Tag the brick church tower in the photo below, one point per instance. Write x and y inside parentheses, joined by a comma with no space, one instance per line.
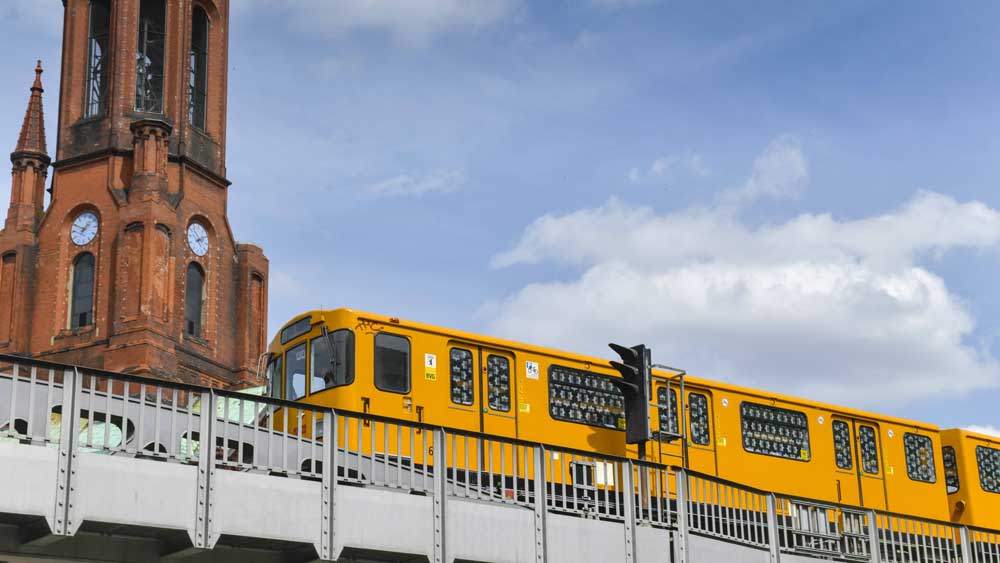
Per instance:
(132,266)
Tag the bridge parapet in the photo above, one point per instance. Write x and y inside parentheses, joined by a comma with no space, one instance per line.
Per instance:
(200,472)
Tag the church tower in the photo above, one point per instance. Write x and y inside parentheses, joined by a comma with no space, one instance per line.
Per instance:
(132,265)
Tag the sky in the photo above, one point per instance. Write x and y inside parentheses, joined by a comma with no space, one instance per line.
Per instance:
(800,197)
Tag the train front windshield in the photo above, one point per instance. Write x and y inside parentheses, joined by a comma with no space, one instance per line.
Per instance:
(330,364)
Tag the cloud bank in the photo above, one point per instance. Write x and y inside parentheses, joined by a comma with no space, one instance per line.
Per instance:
(838,310)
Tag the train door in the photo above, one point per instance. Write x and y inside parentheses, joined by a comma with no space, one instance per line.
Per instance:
(869,461)
(847,468)
(497,392)
(701,445)
(665,422)
(858,462)
(463,394)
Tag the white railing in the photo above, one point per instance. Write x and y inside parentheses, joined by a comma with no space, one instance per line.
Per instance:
(84,410)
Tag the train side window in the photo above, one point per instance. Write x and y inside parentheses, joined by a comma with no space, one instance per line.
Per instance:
(919,458)
(667,409)
(462,383)
(326,371)
(869,449)
(585,397)
(988,460)
(775,431)
(274,378)
(295,372)
(842,445)
(698,425)
(950,462)
(666,406)
(392,363)
(498,382)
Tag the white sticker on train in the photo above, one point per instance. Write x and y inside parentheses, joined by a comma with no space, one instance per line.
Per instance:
(531,369)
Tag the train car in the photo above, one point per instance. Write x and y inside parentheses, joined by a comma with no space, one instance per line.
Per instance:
(468,382)
(972,472)
(818,451)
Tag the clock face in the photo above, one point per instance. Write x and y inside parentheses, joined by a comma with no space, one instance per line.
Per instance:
(84,228)
(197,239)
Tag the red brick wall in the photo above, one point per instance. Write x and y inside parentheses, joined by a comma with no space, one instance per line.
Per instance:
(146,181)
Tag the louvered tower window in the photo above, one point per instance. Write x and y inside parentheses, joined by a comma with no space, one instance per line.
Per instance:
(193,298)
(82,296)
(149,57)
(198,89)
(97,57)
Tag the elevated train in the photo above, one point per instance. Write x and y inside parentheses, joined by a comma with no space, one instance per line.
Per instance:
(395,368)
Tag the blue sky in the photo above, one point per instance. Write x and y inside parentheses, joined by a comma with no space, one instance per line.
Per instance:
(799,196)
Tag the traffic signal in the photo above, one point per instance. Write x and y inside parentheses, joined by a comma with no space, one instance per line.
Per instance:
(636,386)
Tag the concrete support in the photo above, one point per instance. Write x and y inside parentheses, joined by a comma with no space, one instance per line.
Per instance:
(773,537)
(874,545)
(628,486)
(682,516)
(539,504)
(206,471)
(966,539)
(328,529)
(440,493)
(63,523)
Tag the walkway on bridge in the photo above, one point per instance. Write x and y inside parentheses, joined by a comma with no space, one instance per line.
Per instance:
(126,477)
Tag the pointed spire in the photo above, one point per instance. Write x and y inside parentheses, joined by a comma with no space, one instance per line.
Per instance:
(32,138)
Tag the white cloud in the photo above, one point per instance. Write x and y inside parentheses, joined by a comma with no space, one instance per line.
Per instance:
(781,171)
(405,185)
(669,169)
(987,429)
(409,21)
(928,222)
(831,309)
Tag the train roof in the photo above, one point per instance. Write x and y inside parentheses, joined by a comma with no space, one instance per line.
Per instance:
(603,363)
(980,436)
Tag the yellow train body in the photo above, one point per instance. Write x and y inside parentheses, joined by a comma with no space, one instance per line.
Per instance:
(463,381)
(973,477)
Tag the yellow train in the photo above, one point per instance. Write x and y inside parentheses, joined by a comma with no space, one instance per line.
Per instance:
(972,477)
(463,381)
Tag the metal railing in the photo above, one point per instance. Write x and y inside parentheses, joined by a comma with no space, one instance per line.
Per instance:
(86,410)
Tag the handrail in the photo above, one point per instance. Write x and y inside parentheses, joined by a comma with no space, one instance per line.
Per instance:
(282,403)
(832,504)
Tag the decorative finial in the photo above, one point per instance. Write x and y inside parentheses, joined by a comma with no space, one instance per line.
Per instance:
(38,77)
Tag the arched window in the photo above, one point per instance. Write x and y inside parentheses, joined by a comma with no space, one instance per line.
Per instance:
(97,71)
(149,56)
(193,299)
(82,295)
(199,68)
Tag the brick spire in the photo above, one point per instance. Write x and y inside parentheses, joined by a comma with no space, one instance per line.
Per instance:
(31,164)
(31,141)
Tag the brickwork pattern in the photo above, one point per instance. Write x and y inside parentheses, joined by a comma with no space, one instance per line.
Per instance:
(147,178)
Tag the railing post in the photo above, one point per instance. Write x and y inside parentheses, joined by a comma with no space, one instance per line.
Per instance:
(773,537)
(875,548)
(206,472)
(681,483)
(64,523)
(965,538)
(540,504)
(329,486)
(440,491)
(628,494)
